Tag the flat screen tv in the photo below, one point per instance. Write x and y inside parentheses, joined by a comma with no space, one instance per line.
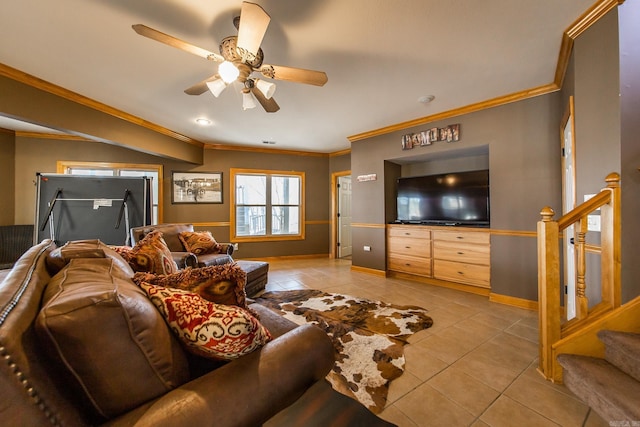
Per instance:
(460,198)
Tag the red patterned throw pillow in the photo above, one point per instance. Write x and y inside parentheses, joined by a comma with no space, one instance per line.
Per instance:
(151,254)
(220,332)
(221,284)
(199,242)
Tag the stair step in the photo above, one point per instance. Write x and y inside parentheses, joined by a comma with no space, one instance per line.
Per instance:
(622,349)
(613,394)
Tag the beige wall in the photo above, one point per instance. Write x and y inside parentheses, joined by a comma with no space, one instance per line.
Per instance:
(36,155)
(7,177)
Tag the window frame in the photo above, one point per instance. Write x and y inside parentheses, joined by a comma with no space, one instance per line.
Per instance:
(233,172)
(63,166)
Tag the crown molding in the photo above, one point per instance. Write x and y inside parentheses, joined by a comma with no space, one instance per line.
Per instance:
(340,153)
(586,20)
(45,135)
(224,147)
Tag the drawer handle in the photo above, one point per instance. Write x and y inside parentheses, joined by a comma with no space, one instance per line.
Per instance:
(407,234)
(461,273)
(407,247)
(459,237)
(460,253)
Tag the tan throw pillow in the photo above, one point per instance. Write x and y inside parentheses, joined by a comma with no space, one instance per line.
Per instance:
(94,248)
(199,242)
(221,284)
(216,331)
(151,254)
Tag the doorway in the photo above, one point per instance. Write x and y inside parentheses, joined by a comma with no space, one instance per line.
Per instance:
(341,214)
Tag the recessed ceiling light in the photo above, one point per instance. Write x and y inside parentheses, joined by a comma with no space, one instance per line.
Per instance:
(426,99)
(203,122)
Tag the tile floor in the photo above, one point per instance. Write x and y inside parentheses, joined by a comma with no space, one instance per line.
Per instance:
(476,366)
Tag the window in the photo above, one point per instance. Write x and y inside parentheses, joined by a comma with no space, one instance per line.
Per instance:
(267,205)
(121,169)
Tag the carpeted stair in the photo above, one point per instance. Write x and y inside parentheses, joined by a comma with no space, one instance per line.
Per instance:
(610,386)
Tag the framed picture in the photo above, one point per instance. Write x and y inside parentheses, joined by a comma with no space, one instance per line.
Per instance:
(196,187)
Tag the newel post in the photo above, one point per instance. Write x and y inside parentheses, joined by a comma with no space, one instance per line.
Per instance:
(610,242)
(548,288)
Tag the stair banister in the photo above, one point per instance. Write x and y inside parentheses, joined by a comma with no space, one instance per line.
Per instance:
(551,326)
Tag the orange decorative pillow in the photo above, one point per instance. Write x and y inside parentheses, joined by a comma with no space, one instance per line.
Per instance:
(220,332)
(199,242)
(151,254)
(221,284)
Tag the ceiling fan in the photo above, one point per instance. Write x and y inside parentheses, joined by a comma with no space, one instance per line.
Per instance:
(239,57)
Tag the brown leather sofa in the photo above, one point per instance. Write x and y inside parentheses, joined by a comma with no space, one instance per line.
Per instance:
(181,256)
(120,365)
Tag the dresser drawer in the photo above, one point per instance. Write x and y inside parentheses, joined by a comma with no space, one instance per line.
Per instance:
(462,236)
(462,252)
(472,274)
(416,231)
(409,246)
(410,264)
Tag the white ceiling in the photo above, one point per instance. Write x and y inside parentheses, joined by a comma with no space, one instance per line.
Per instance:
(380,57)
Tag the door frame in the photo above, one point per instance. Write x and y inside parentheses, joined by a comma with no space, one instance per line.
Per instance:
(569,273)
(333,253)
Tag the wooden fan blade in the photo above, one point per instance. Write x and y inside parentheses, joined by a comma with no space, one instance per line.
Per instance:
(270,105)
(200,88)
(253,24)
(298,75)
(161,37)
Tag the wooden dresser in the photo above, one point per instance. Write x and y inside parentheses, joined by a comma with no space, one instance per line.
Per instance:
(457,255)
(409,250)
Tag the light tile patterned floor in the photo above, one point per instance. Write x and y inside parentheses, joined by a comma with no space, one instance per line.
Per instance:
(476,366)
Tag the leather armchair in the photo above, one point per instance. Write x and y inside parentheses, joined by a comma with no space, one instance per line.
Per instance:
(181,256)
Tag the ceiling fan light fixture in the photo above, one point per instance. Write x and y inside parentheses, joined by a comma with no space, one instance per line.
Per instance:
(267,88)
(228,71)
(216,86)
(248,101)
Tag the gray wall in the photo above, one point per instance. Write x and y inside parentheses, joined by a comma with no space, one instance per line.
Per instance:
(605,81)
(597,105)
(630,145)
(340,163)
(523,145)
(518,142)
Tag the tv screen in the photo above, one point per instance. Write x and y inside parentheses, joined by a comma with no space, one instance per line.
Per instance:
(460,198)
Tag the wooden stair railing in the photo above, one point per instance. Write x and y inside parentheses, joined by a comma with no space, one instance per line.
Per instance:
(552,327)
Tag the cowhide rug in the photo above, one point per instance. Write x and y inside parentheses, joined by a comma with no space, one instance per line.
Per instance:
(368,337)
